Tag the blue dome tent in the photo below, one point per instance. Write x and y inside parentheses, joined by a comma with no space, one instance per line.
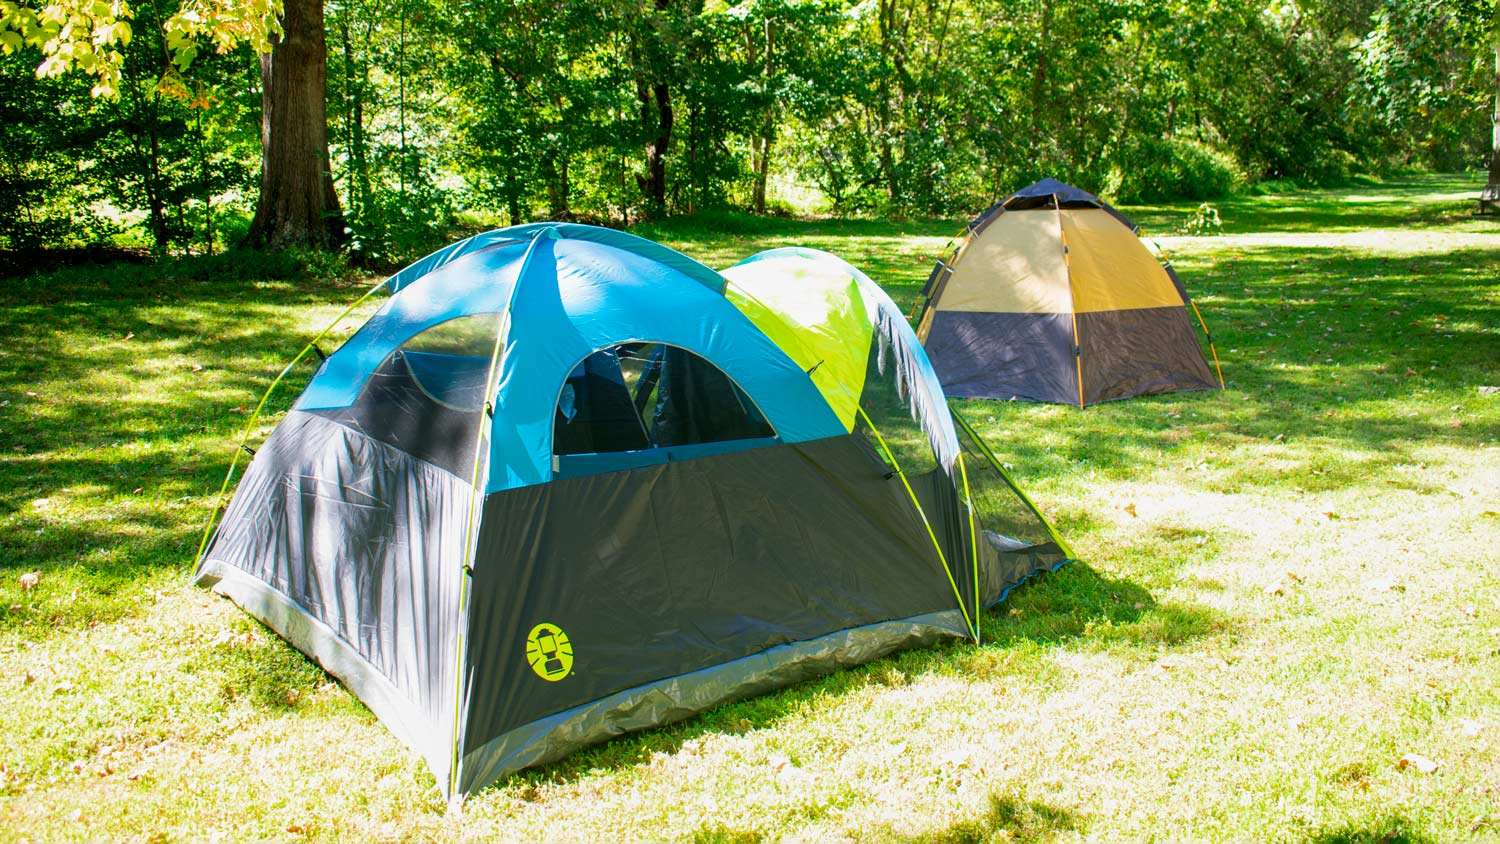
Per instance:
(567,483)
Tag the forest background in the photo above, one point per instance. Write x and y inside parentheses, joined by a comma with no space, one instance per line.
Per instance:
(443,116)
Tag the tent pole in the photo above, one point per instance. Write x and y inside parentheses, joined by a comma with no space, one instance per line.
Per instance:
(1161,256)
(501,330)
(927,297)
(973,625)
(1062,237)
(973,630)
(213,515)
(1210,338)
(973,540)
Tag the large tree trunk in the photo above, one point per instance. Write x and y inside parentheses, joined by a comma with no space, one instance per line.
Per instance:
(298,206)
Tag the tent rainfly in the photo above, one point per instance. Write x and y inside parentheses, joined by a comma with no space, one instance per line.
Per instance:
(1051,296)
(567,483)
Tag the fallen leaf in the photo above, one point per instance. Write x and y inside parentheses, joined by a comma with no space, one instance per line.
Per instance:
(197,367)
(128,336)
(240,409)
(29,580)
(1130,508)
(62,688)
(1330,515)
(137,490)
(1418,761)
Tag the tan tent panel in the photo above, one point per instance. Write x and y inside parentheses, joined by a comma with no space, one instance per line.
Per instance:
(1024,250)
(1112,270)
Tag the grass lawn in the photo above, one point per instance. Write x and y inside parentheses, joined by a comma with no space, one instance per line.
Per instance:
(1285,588)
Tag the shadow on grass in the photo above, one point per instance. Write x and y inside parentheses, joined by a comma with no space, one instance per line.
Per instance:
(121,396)
(1052,609)
(1006,819)
(1390,830)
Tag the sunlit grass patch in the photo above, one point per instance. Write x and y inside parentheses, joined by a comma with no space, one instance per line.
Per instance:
(1283,589)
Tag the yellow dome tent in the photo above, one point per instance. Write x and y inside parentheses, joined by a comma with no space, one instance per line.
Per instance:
(1051,296)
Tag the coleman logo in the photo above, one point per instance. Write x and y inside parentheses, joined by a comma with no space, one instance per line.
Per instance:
(549,652)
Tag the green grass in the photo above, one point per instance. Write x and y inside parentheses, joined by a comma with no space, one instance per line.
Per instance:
(1285,587)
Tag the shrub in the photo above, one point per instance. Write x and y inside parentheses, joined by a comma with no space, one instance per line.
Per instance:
(1172,168)
(1203,221)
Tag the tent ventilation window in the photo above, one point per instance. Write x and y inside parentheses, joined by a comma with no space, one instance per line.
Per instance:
(427,397)
(642,396)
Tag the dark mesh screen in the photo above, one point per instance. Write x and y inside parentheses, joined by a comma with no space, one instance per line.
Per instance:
(432,417)
(1011,542)
(638,396)
(427,398)
(887,404)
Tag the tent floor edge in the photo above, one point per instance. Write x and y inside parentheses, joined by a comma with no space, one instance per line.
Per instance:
(329,650)
(673,699)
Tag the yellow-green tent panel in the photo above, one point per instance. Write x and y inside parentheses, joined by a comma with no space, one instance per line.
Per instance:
(819,321)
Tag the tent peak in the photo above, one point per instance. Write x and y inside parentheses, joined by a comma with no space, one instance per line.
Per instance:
(1052,187)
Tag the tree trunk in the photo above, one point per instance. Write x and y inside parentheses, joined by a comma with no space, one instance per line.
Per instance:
(1495,129)
(355,85)
(555,170)
(760,148)
(657,117)
(1039,76)
(760,155)
(297,206)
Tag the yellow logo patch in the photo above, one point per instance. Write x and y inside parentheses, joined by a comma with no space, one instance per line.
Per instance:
(549,652)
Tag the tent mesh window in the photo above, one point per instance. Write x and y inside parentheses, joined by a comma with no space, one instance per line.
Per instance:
(427,397)
(1010,540)
(892,426)
(887,405)
(639,396)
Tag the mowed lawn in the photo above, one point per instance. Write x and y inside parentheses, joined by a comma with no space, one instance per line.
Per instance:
(1287,610)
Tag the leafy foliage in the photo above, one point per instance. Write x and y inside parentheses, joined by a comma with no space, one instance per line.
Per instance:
(618,111)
